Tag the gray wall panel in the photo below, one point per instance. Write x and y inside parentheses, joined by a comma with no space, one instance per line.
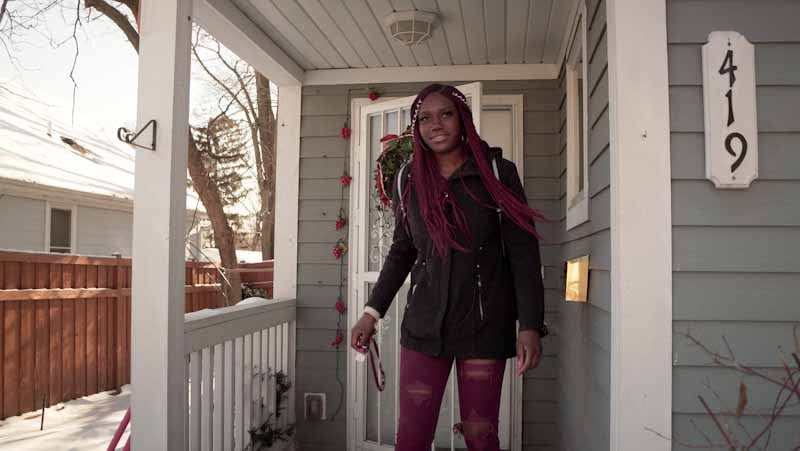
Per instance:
(726,296)
(323,168)
(776,108)
(599,135)
(765,203)
(692,382)
(778,156)
(102,232)
(685,429)
(320,210)
(22,223)
(736,249)
(690,21)
(584,329)
(323,146)
(754,344)
(734,271)
(776,64)
(735,275)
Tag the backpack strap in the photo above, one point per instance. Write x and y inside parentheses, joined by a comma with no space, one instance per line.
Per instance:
(496,171)
(498,209)
(401,199)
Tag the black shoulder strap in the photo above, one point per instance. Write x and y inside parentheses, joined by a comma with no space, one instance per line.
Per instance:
(401,199)
(494,167)
(498,209)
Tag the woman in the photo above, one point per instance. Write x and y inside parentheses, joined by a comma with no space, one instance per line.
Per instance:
(469,241)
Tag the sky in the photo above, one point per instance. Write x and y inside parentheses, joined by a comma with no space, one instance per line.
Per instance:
(106,76)
(106,73)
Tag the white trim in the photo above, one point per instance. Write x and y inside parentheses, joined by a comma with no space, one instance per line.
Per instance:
(562,54)
(354,379)
(577,202)
(227,23)
(453,73)
(158,366)
(516,103)
(641,226)
(287,195)
(73,220)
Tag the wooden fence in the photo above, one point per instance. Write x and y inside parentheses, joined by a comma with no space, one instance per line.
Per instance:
(258,275)
(65,325)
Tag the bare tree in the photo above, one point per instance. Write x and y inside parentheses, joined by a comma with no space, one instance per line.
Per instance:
(249,91)
(29,15)
(729,431)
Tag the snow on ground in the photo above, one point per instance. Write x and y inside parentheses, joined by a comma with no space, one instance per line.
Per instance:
(85,424)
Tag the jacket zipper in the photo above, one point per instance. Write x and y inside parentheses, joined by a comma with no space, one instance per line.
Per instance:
(480,296)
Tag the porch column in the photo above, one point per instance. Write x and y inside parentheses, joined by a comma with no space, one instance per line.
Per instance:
(287,191)
(641,226)
(158,398)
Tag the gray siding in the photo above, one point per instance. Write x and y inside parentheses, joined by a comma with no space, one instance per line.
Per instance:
(21,223)
(99,231)
(735,273)
(323,154)
(103,232)
(585,329)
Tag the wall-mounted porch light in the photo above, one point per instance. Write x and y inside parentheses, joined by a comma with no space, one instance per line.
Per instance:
(577,286)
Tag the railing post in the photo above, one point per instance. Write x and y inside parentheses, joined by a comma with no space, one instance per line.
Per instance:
(117,315)
(290,370)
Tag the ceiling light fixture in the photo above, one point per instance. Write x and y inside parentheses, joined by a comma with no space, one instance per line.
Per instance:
(410,27)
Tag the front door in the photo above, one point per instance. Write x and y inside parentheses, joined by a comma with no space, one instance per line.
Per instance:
(373,415)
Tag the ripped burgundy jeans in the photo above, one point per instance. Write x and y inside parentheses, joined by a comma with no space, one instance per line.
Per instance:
(422,383)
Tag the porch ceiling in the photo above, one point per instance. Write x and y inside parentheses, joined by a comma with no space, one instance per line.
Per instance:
(349,34)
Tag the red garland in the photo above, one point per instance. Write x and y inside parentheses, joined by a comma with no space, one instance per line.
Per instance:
(339,249)
(374,94)
(340,223)
(340,307)
(345,180)
(346,132)
(338,340)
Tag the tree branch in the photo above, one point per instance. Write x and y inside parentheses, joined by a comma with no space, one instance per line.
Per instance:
(75,59)
(3,10)
(119,19)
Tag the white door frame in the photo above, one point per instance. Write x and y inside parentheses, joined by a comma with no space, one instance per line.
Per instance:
(354,409)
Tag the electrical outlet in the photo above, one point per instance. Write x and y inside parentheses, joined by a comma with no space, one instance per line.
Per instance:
(315,406)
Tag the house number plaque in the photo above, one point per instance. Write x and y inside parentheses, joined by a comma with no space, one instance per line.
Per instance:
(729,94)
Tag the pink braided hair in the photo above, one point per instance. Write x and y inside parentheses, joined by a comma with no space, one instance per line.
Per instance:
(432,190)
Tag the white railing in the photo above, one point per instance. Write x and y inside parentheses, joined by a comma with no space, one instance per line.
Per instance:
(233,358)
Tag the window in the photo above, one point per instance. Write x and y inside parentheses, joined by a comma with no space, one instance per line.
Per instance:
(60,232)
(577,127)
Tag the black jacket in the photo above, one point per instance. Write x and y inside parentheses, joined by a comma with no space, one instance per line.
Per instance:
(466,304)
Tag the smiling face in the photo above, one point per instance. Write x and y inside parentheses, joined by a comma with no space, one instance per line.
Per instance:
(439,124)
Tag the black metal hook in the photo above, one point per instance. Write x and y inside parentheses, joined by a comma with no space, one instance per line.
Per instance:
(127,136)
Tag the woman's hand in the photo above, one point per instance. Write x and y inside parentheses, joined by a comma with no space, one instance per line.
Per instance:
(362,332)
(529,351)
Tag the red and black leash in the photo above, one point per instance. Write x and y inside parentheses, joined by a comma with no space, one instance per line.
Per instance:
(380,382)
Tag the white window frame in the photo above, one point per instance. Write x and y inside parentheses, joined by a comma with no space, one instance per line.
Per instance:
(577,200)
(73,232)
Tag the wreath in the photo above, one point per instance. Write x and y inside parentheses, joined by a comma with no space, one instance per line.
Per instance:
(396,152)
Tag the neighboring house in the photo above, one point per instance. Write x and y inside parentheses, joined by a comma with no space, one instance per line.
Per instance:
(66,190)
(211,254)
(601,105)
